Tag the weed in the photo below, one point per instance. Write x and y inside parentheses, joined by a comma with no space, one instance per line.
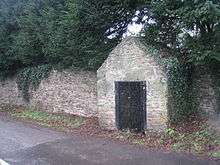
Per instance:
(215,154)
(197,142)
(177,146)
(170,131)
(48,119)
(139,141)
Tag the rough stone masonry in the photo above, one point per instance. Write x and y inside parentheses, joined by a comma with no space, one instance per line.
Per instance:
(129,61)
(86,94)
(72,92)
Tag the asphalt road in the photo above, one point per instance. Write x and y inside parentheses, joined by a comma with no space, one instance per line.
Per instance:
(26,144)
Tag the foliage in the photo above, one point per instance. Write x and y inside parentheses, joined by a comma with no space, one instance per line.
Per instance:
(102,25)
(215,154)
(189,30)
(31,78)
(9,10)
(197,142)
(181,97)
(61,33)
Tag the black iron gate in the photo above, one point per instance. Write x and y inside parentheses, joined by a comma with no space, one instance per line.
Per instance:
(131,105)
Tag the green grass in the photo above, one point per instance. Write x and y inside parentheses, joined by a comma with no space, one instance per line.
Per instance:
(43,118)
(48,119)
(215,154)
(138,141)
(197,142)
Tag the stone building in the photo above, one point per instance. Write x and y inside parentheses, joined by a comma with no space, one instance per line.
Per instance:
(132,80)
(130,91)
(129,67)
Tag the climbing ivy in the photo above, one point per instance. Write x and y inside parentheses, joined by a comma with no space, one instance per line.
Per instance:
(181,96)
(31,78)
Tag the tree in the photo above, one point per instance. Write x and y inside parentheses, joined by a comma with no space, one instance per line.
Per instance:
(62,33)
(38,28)
(102,25)
(189,29)
(9,11)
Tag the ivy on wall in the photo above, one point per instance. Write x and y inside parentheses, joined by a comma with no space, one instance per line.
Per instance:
(31,78)
(181,96)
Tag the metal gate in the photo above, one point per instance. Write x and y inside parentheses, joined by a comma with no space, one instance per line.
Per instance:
(130,105)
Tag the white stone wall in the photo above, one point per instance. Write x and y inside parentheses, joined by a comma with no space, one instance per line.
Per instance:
(129,62)
(68,92)
(9,93)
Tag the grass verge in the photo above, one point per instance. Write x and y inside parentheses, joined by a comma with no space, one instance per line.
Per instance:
(55,120)
(203,142)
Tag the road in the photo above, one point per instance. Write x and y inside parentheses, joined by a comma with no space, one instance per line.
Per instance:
(27,144)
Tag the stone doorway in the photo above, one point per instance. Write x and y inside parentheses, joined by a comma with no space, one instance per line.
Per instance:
(130,99)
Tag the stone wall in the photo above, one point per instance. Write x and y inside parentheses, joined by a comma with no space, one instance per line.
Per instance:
(69,92)
(9,93)
(129,62)
(205,90)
